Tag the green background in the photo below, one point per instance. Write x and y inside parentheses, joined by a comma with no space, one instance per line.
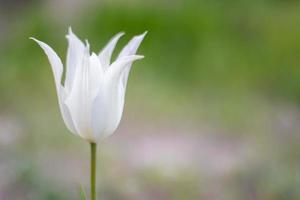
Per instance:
(211,112)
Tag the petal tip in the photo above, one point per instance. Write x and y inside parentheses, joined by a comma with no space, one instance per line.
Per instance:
(139,57)
(120,33)
(70,32)
(32,38)
(141,36)
(87,44)
(145,33)
(134,57)
(37,41)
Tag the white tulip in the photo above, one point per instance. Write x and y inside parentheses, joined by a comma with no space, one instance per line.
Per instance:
(91,100)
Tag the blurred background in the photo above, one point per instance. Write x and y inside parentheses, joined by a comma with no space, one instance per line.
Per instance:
(211,113)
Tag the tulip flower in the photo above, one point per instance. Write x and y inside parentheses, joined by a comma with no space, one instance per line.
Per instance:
(91,99)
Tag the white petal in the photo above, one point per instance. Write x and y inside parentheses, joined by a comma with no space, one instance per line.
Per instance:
(85,88)
(132,46)
(96,75)
(106,52)
(74,57)
(57,69)
(130,49)
(100,113)
(108,106)
(54,60)
(117,67)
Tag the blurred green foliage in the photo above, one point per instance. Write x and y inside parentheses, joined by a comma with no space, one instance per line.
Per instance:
(199,49)
(231,64)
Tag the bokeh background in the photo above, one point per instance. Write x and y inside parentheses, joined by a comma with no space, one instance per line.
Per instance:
(211,113)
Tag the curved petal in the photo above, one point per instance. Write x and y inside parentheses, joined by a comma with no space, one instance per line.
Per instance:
(74,57)
(132,46)
(106,52)
(117,67)
(57,68)
(108,105)
(130,49)
(85,88)
(56,64)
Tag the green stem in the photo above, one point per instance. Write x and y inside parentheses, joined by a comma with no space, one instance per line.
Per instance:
(93,170)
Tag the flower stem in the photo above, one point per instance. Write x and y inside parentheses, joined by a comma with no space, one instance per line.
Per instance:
(93,170)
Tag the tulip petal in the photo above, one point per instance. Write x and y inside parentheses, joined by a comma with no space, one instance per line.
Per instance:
(117,67)
(96,74)
(74,57)
(106,52)
(130,49)
(85,89)
(108,106)
(57,68)
(132,46)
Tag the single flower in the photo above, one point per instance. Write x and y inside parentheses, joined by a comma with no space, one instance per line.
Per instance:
(91,99)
